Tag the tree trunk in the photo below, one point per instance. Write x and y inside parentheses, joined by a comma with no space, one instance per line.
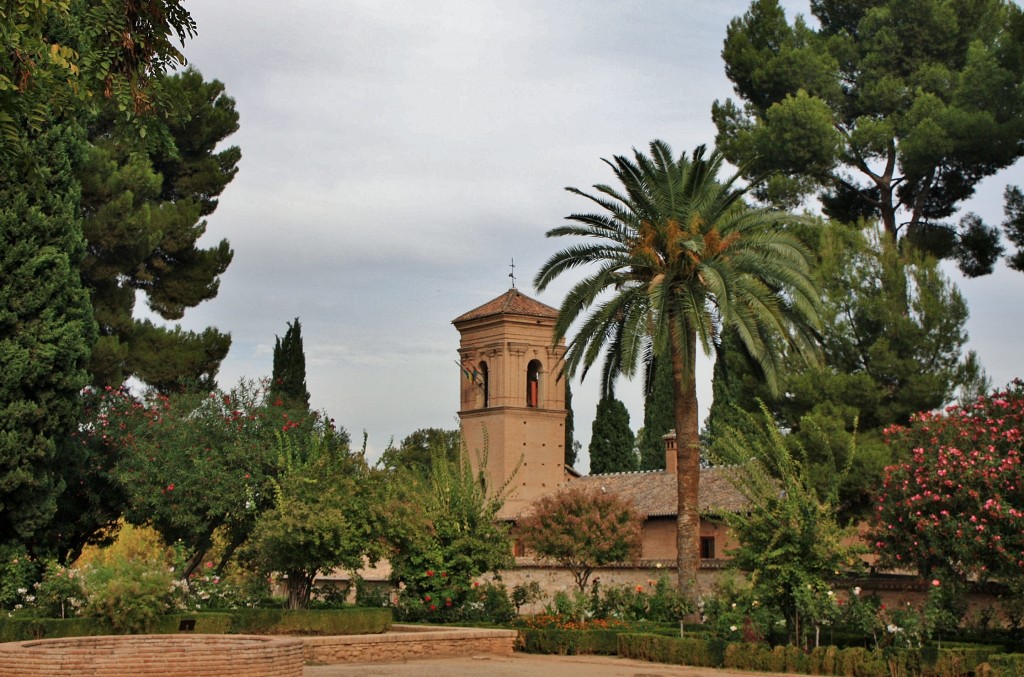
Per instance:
(299,584)
(687,466)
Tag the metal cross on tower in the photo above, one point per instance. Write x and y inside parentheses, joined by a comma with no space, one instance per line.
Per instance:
(513,273)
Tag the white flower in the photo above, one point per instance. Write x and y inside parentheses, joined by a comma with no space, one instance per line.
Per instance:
(856,591)
(734,605)
(732,628)
(830,593)
(891,628)
(22,591)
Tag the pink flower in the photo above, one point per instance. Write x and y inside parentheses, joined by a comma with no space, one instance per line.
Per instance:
(170,487)
(935,582)
(209,565)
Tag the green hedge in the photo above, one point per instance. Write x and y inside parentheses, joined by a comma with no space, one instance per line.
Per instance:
(569,642)
(1005,665)
(676,650)
(354,621)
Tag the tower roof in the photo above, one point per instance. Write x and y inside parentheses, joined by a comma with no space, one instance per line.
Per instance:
(512,302)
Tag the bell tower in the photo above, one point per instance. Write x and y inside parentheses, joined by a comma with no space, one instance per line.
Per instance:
(512,402)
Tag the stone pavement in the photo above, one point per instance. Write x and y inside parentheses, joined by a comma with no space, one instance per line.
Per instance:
(522,665)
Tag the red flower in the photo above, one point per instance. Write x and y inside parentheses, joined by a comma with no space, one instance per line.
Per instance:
(426,598)
(430,572)
(170,487)
(433,607)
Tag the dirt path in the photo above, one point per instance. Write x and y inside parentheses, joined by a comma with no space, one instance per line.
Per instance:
(523,665)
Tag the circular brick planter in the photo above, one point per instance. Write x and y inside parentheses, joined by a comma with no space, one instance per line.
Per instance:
(154,656)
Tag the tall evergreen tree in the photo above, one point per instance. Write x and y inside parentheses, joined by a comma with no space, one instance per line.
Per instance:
(570,440)
(887,109)
(145,200)
(46,330)
(288,383)
(659,417)
(611,438)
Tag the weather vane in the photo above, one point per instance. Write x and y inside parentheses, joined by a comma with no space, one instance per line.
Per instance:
(513,273)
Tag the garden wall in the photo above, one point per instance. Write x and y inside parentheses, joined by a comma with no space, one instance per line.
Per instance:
(154,656)
(409,643)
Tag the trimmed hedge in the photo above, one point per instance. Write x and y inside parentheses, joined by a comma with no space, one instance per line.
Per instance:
(355,621)
(569,642)
(677,650)
(1003,665)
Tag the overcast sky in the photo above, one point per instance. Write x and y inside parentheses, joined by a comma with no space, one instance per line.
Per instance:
(396,156)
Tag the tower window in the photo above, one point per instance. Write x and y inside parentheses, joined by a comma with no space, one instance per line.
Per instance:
(485,383)
(707,547)
(533,383)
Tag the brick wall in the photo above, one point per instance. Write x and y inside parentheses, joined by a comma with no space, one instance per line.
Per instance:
(410,645)
(154,656)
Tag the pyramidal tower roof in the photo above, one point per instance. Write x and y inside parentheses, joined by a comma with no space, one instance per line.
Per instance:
(512,302)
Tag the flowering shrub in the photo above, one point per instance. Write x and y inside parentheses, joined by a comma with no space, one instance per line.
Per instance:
(957,504)
(735,612)
(17,572)
(59,594)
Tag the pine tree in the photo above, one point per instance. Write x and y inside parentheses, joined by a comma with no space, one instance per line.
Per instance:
(611,438)
(288,383)
(144,202)
(46,331)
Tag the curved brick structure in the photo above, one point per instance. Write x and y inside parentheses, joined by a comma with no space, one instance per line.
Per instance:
(154,656)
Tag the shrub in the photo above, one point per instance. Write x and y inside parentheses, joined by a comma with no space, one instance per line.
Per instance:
(351,621)
(675,650)
(1007,665)
(569,642)
(17,573)
(60,593)
(126,594)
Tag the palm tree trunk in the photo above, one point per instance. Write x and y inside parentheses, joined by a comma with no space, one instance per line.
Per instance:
(687,466)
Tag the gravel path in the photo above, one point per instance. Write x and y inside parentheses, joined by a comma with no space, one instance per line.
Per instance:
(523,665)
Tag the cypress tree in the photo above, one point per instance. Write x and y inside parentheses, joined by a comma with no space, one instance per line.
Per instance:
(611,439)
(288,384)
(46,330)
(659,414)
(570,442)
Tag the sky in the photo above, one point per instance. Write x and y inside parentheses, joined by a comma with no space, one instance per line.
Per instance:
(397,157)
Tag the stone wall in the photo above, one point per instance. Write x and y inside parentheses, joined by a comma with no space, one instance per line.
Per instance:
(154,656)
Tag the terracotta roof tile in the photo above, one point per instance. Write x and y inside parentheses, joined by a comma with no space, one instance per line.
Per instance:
(512,302)
(654,492)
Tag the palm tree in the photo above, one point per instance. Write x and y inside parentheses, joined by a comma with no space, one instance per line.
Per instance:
(679,258)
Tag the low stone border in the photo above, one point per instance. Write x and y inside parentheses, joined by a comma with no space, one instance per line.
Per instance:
(154,656)
(408,642)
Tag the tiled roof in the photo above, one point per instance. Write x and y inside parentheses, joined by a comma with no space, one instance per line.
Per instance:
(654,492)
(512,302)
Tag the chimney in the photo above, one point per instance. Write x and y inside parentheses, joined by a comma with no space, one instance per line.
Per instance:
(671,465)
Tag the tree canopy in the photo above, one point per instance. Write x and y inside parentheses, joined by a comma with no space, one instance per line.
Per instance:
(583,528)
(144,203)
(892,342)
(888,109)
